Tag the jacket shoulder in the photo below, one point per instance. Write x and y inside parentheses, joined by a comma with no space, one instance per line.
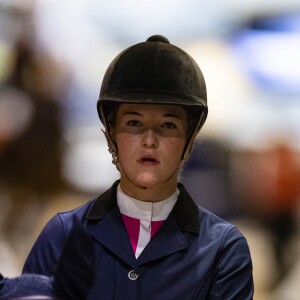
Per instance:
(220,234)
(213,223)
(232,275)
(46,250)
(79,212)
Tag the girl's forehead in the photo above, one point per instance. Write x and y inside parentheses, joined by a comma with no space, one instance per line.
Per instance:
(157,109)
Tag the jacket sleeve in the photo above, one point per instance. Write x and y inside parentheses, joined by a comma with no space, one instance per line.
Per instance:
(47,249)
(233,277)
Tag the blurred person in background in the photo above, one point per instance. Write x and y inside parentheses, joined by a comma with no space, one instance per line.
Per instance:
(280,204)
(268,183)
(31,139)
(152,241)
(206,175)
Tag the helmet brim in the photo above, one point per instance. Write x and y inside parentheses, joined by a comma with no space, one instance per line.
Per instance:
(149,97)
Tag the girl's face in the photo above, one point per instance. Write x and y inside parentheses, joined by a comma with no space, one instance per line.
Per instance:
(150,141)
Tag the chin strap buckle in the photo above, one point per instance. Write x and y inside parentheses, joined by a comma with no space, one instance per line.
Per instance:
(111,147)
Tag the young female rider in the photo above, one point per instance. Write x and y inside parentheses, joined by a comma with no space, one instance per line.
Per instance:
(151,240)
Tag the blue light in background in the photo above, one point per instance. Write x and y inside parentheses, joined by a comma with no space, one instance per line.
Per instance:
(270,54)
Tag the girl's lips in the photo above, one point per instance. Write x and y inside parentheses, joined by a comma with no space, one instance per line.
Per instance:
(148,161)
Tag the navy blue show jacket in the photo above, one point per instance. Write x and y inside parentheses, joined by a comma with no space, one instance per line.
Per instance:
(194,254)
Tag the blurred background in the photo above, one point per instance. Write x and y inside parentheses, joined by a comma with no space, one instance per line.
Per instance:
(246,164)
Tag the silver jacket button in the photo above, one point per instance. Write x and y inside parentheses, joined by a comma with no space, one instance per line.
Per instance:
(133,275)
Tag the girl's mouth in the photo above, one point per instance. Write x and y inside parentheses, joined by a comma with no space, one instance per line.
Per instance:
(148,161)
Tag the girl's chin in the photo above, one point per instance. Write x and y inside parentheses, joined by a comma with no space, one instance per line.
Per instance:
(149,183)
(146,180)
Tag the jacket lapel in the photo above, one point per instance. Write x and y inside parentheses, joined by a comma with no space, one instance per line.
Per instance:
(110,232)
(168,240)
(105,223)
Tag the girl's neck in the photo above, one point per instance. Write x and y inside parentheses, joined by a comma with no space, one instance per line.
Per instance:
(153,194)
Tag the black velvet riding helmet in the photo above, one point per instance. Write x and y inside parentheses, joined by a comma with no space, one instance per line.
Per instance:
(154,72)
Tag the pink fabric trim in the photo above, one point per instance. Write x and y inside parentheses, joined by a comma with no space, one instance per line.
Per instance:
(133,229)
(155,225)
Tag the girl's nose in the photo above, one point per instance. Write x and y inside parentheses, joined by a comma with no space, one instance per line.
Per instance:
(150,139)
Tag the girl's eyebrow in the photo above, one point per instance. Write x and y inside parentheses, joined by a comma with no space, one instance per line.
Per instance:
(168,115)
(172,115)
(131,113)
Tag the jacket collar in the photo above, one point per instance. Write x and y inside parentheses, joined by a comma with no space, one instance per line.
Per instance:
(185,212)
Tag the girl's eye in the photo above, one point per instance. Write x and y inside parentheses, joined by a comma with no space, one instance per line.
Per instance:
(169,125)
(133,123)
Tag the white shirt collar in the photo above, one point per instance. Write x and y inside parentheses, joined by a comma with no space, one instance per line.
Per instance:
(145,211)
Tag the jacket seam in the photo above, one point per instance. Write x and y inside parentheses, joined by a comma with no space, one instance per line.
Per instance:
(218,264)
(60,216)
